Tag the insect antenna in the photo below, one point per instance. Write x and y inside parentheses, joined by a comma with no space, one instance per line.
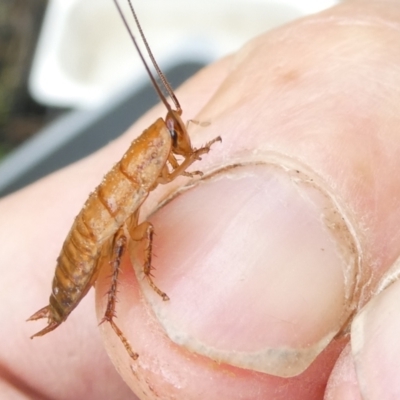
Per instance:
(162,77)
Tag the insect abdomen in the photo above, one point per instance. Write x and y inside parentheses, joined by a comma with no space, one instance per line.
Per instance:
(119,195)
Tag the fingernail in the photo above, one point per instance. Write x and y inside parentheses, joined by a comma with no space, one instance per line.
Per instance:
(259,265)
(375,345)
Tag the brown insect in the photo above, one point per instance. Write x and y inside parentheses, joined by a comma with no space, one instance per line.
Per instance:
(98,231)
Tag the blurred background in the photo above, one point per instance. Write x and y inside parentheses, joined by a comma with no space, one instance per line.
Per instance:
(70,80)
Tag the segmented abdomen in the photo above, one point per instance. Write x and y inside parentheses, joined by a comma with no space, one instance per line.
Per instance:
(119,195)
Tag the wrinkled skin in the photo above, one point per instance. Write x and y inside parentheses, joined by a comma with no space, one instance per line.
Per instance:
(324,91)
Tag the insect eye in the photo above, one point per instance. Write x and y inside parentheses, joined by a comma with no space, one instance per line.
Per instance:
(174,136)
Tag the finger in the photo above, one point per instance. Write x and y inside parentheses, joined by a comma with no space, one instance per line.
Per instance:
(164,369)
(375,346)
(343,383)
(309,207)
(368,369)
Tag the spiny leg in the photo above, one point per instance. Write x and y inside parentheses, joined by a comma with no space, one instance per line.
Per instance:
(146,231)
(119,246)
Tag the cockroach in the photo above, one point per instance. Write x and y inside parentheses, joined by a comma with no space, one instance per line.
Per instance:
(110,216)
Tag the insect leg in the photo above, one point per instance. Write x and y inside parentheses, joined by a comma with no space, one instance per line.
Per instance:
(196,122)
(180,169)
(145,230)
(119,247)
(165,173)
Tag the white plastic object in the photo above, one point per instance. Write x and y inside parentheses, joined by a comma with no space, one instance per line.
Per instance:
(84,53)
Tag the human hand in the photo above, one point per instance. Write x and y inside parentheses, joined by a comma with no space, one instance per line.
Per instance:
(275,257)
